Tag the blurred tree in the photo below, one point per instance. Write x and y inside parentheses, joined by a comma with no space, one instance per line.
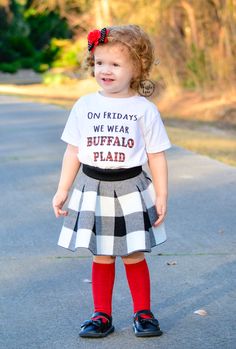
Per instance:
(45,26)
(14,44)
(195,40)
(79,14)
(5,14)
(73,11)
(5,3)
(102,13)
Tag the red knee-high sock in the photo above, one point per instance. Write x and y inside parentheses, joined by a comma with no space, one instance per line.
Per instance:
(139,284)
(103,277)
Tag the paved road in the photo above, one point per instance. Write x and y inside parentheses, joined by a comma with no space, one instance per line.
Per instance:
(44,295)
(22,77)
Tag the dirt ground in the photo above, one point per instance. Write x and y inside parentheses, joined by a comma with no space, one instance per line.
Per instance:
(209,106)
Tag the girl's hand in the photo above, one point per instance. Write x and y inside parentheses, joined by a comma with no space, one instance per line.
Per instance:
(161,207)
(58,201)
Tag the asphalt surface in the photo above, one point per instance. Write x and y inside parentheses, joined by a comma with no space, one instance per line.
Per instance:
(21,77)
(45,291)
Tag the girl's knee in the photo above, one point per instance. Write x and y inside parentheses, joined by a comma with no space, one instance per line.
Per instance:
(104,259)
(135,257)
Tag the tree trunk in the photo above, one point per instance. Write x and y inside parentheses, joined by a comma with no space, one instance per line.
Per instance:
(192,21)
(102,13)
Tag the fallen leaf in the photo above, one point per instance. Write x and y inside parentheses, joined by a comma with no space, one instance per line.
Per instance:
(201,312)
(171,263)
(88,281)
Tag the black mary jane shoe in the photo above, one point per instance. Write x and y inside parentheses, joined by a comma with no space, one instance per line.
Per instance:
(97,328)
(146,327)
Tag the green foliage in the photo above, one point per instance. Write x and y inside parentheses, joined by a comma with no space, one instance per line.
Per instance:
(68,53)
(3,20)
(66,59)
(27,62)
(196,69)
(55,78)
(26,38)
(44,26)
(41,67)
(22,45)
(7,55)
(10,67)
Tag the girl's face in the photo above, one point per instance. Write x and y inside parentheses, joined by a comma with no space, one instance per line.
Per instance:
(113,70)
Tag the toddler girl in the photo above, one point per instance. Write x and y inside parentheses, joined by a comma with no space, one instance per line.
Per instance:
(115,209)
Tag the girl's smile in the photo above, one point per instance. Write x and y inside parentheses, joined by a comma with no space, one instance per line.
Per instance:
(114,70)
(107,80)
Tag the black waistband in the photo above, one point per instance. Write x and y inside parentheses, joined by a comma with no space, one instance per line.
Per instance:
(111,174)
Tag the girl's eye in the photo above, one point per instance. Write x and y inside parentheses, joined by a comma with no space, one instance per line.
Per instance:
(116,64)
(98,63)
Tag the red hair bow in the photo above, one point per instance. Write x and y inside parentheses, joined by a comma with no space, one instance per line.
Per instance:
(97,37)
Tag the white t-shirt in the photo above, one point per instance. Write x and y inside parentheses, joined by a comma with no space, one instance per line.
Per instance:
(115,132)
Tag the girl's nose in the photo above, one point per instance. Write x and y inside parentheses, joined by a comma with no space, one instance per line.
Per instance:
(106,69)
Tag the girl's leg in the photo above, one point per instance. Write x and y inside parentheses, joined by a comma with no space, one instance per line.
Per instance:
(103,277)
(144,322)
(137,273)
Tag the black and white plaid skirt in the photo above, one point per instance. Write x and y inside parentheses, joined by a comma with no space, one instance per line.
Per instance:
(112,218)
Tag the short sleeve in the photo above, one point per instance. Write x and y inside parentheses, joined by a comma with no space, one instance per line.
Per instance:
(71,133)
(154,132)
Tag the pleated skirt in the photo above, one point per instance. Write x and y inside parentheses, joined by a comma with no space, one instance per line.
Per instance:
(112,218)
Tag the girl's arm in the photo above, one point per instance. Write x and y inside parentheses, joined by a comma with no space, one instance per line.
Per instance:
(70,168)
(158,167)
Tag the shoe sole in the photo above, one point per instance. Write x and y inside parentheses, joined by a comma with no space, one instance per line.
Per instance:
(97,335)
(147,334)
